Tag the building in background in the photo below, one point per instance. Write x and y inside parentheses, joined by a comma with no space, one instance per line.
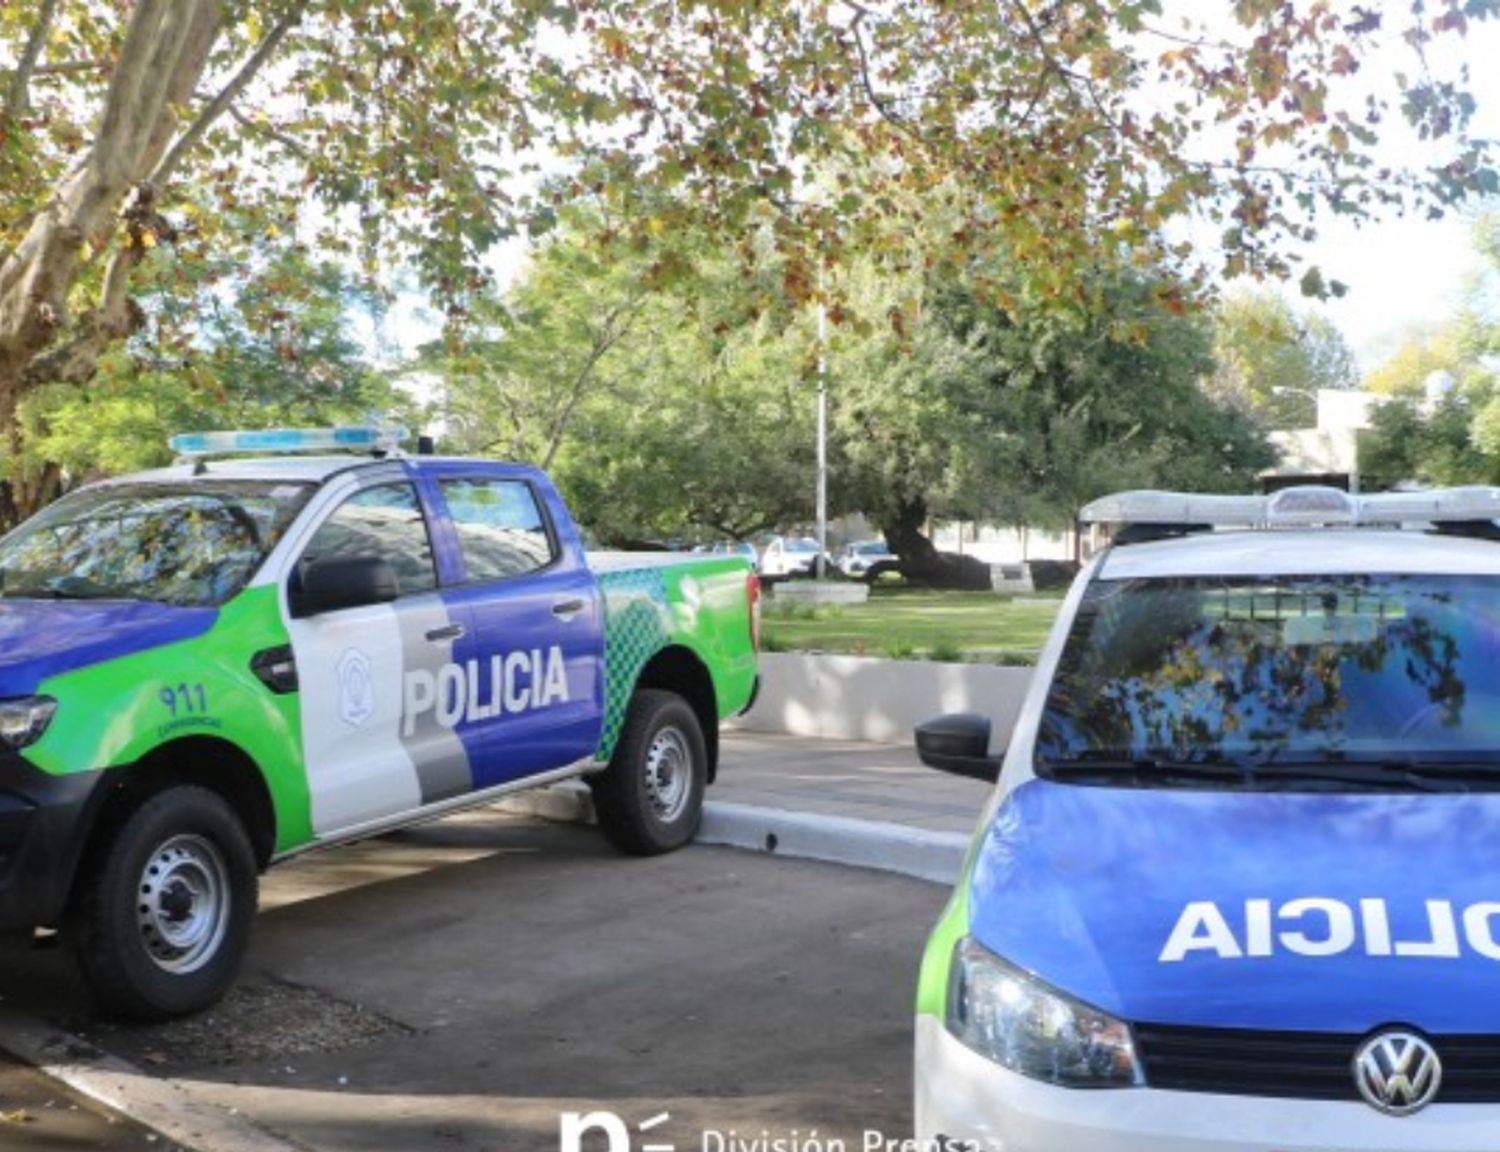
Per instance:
(1327,453)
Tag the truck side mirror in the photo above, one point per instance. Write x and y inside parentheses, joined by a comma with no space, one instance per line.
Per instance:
(342,582)
(958,743)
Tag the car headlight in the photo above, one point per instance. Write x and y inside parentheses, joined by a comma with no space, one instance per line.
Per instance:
(1018,1022)
(24,719)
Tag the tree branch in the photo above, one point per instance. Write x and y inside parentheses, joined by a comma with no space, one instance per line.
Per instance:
(18,97)
(269,131)
(891,117)
(226,97)
(613,329)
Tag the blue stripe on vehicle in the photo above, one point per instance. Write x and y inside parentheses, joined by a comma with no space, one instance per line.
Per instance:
(1085,886)
(44,638)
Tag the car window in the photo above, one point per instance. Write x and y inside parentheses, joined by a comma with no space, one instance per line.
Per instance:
(196,543)
(500,528)
(1342,668)
(803,545)
(384,521)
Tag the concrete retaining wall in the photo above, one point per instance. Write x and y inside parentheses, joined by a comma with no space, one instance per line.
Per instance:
(863,698)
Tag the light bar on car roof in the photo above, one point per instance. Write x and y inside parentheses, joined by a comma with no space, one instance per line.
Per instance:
(353,437)
(1297,506)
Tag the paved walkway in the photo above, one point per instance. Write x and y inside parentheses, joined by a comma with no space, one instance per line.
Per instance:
(881,782)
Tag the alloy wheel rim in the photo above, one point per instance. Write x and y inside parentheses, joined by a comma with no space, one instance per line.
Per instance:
(182,904)
(669,774)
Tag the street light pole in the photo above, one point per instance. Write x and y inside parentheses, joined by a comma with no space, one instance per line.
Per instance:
(822,426)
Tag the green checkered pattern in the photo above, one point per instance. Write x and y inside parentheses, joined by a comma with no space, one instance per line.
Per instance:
(636,628)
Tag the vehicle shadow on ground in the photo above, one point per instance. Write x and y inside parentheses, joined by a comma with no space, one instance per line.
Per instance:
(460,984)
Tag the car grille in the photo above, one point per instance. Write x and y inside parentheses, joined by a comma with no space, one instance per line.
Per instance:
(1304,1065)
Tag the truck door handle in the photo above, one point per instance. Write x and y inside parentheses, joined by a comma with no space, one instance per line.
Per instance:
(449,632)
(567,609)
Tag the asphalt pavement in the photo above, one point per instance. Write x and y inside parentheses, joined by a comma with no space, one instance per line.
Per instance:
(845,778)
(464,984)
(37,1114)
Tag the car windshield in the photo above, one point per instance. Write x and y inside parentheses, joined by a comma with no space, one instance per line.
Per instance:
(1338,670)
(870,548)
(194,543)
(802,544)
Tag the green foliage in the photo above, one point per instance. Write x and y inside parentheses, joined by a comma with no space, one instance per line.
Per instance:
(945,652)
(1452,438)
(975,625)
(682,412)
(1452,442)
(688,412)
(418,131)
(899,650)
(1024,417)
(259,345)
(1421,354)
(1272,359)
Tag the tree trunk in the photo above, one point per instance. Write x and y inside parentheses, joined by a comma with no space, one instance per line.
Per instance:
(161,60)
(921,562)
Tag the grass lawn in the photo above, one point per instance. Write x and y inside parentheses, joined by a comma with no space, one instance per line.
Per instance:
(902,623)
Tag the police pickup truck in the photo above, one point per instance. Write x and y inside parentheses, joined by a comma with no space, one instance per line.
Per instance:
(211,667)
(1238,887)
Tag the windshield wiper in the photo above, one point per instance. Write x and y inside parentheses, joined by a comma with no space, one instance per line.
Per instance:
(1145,771)
(50,594)
(1411,772)
(1375,775)
(66,588)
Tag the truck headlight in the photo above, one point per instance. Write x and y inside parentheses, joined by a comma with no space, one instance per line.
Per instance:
(24,719)
(1018,1022)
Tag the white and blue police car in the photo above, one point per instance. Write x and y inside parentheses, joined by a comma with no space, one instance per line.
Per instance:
(1238,886)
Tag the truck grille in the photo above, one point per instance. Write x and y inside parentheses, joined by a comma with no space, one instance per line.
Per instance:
(1301,1065)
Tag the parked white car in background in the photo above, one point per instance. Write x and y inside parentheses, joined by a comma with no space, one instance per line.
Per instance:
(860,558)
(789,556)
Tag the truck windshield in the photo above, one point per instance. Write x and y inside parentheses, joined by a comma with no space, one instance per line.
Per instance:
(1223,680)
(195,543)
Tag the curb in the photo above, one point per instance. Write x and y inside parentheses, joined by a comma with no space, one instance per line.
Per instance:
(936,857)
(164,1106)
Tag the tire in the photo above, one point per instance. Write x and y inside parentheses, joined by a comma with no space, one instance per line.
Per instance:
(650,798)
(162,917)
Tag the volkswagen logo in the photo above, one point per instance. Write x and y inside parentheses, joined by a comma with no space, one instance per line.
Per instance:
(1397,1072)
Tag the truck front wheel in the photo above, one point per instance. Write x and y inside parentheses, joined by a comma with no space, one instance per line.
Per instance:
(650,798)
(163,914)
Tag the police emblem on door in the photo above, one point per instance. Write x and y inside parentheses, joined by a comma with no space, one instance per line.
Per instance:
(1397,1072)
(356,688)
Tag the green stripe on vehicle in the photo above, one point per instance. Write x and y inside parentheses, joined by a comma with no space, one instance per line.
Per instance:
(116,712)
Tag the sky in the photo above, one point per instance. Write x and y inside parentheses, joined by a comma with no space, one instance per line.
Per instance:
(1405,273)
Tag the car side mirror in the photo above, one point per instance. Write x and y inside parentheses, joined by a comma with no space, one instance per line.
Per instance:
(958,743)
(342,582)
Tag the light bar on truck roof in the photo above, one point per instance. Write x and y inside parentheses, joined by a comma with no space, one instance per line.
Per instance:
(1293,507)
(353,437)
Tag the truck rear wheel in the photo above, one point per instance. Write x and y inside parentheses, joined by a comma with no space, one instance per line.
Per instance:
(163,914)
(650,798)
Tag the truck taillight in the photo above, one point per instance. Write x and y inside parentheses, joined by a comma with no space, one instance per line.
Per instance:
(752,594)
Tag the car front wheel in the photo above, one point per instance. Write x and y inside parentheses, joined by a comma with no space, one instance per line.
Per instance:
(162,917)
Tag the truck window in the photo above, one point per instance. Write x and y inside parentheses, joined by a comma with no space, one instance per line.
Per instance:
(500,528)
(384,521)
(196,543)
